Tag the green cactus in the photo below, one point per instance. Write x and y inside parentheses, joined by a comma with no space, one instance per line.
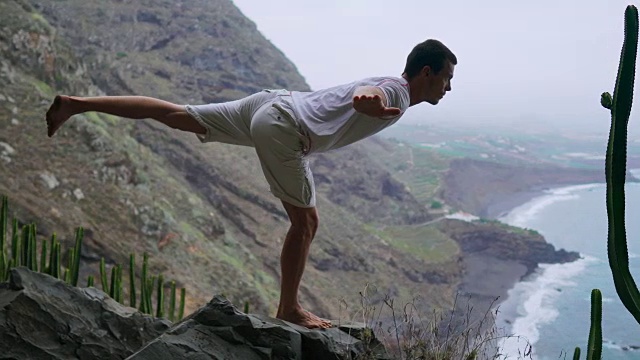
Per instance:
(172,302)
(118,296)
(112,289)
(3,235)
(90,281)
(615,166)
(132,280)
(24,246)
(576,354)
(77,251)
(606,100)
(143,285)
(54,266)
(53,253)
(181,311)
(33,253)
(103,276)
(58,264)
(594,349)
(15,244)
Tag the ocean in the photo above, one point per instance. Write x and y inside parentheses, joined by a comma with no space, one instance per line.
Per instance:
(550,310)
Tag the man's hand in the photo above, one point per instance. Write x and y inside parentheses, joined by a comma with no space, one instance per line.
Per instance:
(372,105)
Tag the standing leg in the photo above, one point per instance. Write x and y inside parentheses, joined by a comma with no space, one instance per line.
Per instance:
(279,148)
(304,223)
(132,107)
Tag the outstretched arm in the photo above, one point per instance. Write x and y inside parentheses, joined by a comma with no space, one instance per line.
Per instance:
(370,100)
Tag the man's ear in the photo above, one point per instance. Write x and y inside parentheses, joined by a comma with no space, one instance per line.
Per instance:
(426,71)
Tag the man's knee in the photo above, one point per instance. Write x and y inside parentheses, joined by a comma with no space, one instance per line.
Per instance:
(311,221)
(303,219)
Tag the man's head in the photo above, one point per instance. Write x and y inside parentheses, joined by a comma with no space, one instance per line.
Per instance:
(429,70)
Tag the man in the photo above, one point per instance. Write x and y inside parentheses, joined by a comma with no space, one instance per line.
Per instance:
(285,127)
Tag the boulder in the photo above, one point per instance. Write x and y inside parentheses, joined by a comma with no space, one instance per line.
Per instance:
(42,317)
(219,331)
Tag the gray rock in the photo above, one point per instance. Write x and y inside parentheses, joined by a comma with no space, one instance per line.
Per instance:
(6,149)
(219,331)
(78,194)
(44,318)
(49,179)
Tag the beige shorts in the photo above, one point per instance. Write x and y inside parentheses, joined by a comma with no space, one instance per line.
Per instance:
(266,121)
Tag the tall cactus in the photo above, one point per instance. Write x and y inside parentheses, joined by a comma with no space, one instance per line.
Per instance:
(3,234)
(615,165)
(594,349)
(77,252)
(132,280)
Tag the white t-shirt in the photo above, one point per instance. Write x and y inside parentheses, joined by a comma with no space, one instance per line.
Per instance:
(330,120)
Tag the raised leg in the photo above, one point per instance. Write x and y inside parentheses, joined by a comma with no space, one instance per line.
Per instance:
(132,107)
(304,223)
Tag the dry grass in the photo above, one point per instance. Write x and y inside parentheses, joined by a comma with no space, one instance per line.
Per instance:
(405,332)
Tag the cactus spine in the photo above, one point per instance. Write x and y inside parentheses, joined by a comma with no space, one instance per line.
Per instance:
(615,165)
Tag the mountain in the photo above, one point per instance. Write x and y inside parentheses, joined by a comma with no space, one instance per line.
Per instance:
(202,212)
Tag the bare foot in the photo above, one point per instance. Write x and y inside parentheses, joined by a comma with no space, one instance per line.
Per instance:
(57,114)
(301,317)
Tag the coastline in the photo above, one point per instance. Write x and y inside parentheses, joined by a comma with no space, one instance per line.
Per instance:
(509,202)
(493,286)
(487,280)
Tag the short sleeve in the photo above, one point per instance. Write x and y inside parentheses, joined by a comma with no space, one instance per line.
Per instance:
(397,94)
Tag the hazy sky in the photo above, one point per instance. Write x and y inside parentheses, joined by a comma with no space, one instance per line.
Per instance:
(520,63)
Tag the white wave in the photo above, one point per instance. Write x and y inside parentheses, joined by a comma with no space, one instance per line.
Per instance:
(573,188)
(523,214)
(460,215)
(609,344)
(535,301)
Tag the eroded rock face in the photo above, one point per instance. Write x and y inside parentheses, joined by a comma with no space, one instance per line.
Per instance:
(504,242)
(44,318)
(219,331)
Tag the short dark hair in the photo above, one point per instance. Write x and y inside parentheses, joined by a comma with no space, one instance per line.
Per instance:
(430,52)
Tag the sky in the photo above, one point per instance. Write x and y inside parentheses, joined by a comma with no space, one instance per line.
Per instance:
(521,64)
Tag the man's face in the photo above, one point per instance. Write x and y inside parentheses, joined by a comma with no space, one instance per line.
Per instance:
(435,86)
